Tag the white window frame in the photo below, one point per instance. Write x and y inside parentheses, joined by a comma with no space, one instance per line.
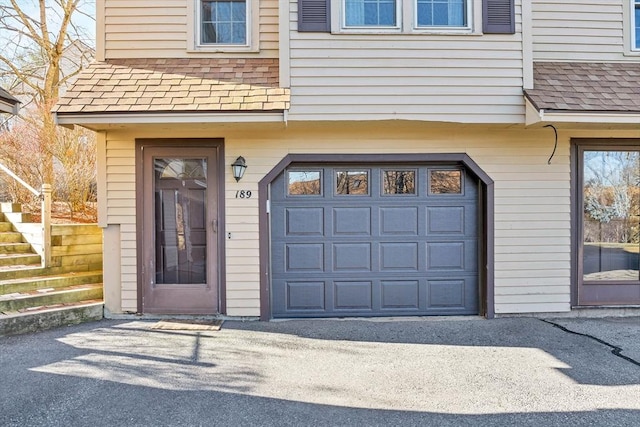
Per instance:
(634,25)
(629,29)
(194,28)
(407,18)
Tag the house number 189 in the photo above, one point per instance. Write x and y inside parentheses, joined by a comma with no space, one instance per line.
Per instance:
(243,194)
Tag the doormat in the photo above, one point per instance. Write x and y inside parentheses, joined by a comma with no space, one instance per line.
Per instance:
(188,325)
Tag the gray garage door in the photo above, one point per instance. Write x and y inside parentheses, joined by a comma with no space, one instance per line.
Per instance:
(374,240)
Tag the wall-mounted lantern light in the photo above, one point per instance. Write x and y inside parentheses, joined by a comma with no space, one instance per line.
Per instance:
(238,167)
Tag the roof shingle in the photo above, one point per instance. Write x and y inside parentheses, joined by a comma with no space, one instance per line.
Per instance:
(166,85)
(586,87)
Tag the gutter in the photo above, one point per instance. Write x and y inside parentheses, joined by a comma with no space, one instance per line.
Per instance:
(533,115)
(70,119)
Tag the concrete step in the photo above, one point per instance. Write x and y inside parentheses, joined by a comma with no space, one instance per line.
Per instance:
(15,248)
(49,317)
(10,237)
(19,259)
(27,284)
(17,302)
(5,226)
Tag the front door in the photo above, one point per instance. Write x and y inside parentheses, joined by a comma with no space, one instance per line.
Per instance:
(180,225)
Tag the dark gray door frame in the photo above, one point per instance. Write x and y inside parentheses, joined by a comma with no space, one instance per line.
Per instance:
(486,206)
(177,143)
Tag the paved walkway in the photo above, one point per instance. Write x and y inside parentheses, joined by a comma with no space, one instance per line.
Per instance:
(516,371)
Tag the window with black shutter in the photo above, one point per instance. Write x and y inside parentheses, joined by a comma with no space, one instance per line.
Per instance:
(498,16)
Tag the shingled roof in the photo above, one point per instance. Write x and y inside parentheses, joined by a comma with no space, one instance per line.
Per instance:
(586,87)
(176,85)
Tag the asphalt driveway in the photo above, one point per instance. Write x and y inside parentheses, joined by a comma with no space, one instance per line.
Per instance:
(516,371)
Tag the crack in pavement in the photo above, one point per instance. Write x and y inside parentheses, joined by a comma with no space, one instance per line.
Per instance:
(615,350)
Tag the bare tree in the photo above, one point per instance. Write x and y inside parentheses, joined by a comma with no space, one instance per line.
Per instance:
(35,59)
(43,49)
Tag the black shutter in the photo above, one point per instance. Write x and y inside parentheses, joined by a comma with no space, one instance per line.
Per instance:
(498,17)
(314,15)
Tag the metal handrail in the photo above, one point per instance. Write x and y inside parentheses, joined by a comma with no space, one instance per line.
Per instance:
(20,180)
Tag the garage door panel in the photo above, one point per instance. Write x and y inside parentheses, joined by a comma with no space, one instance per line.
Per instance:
(401,221)
(308,257)
(446,256)
(400,295)
(446,293)
(352,221)
(353,295)
(352,257)
(305,296)
(460,294)
(445,220)
(307,221)
(398,256)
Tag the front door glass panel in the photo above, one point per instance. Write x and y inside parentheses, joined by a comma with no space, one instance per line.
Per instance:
(611,216)
(180,220)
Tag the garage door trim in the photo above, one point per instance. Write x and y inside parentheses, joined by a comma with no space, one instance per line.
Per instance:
(486,200)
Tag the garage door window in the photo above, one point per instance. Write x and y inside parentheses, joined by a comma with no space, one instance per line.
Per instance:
(445,182)
(398,182)
(304,183)
(352,182)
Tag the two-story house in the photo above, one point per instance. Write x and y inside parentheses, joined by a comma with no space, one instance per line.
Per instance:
(390,157)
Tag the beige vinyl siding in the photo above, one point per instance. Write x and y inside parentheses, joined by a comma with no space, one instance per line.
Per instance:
(158,29)
(531,212)
(445,78)
(121,210)
(579,30)
(532,253)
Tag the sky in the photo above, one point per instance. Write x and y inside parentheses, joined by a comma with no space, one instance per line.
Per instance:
(88,7)
(85,20)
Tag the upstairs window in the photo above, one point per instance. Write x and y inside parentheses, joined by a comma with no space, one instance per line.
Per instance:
(442,13)
(371,13)
(411,16)
(224,22)
(635,19)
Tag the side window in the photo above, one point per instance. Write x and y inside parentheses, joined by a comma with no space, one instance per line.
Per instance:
(370,13)
(610,214)
(223,22)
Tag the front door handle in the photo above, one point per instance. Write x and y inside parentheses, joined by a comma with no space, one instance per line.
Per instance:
(214,225)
